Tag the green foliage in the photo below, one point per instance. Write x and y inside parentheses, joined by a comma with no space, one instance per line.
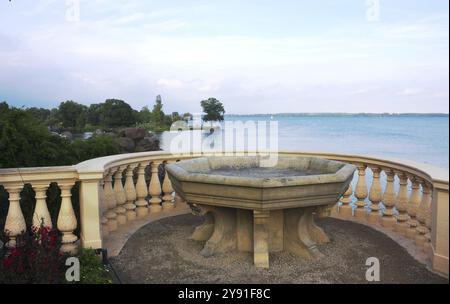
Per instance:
(93,114)
(116,113)
(72,115)
(94,147)
(24,142)
(92,271)
(156,120)
(40,114)
(145,115)
(213,109)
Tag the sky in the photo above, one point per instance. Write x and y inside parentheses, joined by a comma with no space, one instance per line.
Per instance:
(255,56)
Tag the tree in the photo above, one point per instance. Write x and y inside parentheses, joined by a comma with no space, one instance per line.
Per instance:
(144,116)
(116,113)
(158,114)
(25,142)
(213,108)
(40,114)
(93,114)
(72,115)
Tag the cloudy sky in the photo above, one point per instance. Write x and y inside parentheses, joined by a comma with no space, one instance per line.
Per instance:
(256,56)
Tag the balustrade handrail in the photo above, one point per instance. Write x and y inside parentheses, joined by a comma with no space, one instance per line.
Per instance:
(104,205)
(439,177)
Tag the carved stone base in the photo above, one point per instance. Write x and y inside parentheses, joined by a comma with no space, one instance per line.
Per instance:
(260,232)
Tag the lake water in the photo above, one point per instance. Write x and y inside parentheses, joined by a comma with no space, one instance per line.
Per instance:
(417,138)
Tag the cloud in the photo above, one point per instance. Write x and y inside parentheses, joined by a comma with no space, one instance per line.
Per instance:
(170,83)
(409,92)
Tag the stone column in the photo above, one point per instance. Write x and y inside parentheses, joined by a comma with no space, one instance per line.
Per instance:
(141,191)
(93,224)
(103,209)
(130,193)
(67,222)
(345,210)
(120,197)
(388,219)
(261,238)
(41,215)
(402,204)
(15,222)
(439,227)
(154,188)
(414,201)
(168,199)
(361,192)
(375,196)
(110,198)
(422,229)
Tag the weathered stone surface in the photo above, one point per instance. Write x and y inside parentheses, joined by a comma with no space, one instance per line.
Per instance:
(135,133)
(148,143)
(279,200)
(125,143)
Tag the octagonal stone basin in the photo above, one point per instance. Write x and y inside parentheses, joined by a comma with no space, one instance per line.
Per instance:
(260,209)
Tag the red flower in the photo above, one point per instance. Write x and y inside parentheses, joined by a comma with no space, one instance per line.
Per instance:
(16,252)
(7,262)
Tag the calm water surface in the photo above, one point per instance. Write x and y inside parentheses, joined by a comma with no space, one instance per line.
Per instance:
(418,138)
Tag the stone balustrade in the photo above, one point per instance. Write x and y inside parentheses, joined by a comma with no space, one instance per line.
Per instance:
(409,199)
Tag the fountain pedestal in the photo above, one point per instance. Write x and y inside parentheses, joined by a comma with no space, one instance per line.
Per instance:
(257,209)
(260,232)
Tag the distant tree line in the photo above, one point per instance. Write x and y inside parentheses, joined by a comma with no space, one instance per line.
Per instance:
(113,113)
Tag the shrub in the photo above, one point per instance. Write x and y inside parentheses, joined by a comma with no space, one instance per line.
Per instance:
(35,259)
(92,269)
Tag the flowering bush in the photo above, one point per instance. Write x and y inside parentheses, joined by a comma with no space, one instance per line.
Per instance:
(35,259)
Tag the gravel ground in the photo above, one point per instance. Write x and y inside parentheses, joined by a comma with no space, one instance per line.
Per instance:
(162,252)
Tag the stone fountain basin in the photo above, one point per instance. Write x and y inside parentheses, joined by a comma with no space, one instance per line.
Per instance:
(260,209)
(239,182)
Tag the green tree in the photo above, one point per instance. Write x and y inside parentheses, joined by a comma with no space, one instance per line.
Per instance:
(93,114)
(116,113)
(25,142)
(145,115)
(72,115)
(41,114)
(158,115)
(213,109)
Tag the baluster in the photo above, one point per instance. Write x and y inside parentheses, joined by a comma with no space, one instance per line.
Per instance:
(67,222)
(120,197)
(103,209)
(388,219)
(41,215)
(154,188)
(130,193)
(413,204)
(428,223)
(402,204)
(361,192)
(168,200)
(375,196)
(141,191)
(15,221)
(345,210)
(110,199)
(422,210)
